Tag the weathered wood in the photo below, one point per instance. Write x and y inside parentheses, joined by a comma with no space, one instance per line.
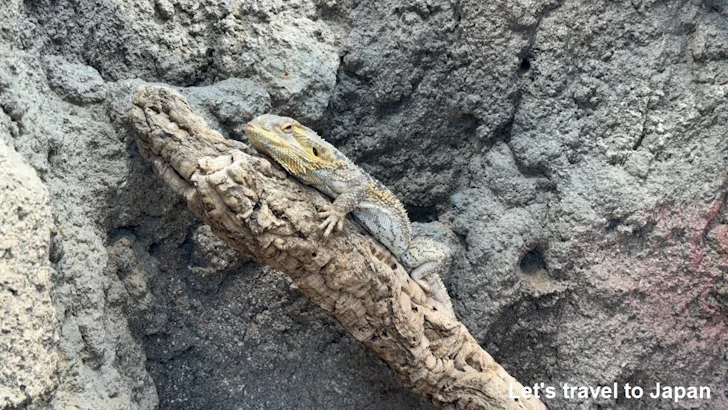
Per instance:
(257,209)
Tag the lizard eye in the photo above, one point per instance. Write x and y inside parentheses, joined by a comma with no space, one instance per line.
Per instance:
(287,128)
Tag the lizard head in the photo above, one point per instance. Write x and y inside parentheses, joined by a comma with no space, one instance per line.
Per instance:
(296,147)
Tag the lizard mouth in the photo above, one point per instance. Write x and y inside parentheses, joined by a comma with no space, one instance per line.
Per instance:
(259,137)
(272,143)
(251,128)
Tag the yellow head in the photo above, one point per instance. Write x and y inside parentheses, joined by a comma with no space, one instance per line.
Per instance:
(296,147)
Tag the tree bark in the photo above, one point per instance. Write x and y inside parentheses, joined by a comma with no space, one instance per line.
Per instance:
(257,209)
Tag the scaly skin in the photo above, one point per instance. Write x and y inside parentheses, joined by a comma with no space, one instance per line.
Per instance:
(315,162)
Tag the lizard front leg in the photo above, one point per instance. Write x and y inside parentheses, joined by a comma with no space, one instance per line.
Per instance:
(335,214)
(428,260)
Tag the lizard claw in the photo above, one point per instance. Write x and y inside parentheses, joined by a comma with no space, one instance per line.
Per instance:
(334,219)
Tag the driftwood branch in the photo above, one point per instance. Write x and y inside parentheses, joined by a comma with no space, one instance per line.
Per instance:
(257,209)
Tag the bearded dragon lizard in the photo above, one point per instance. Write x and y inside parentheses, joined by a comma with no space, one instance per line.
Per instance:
(315,162)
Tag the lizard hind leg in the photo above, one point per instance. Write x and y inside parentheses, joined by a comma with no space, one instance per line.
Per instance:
(427,260)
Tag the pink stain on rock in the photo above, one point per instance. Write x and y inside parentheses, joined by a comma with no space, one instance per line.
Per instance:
(697,244)
(671,287)
(721,234)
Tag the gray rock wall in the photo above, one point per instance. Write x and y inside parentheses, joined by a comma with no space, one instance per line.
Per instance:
(572,153)
(29,327)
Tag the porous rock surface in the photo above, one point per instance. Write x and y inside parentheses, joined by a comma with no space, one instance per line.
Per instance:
(572,152)
(29,328)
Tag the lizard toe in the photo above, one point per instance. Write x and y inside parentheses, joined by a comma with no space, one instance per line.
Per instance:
(328,225)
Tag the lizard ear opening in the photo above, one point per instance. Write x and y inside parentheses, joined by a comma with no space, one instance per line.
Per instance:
(315,151)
